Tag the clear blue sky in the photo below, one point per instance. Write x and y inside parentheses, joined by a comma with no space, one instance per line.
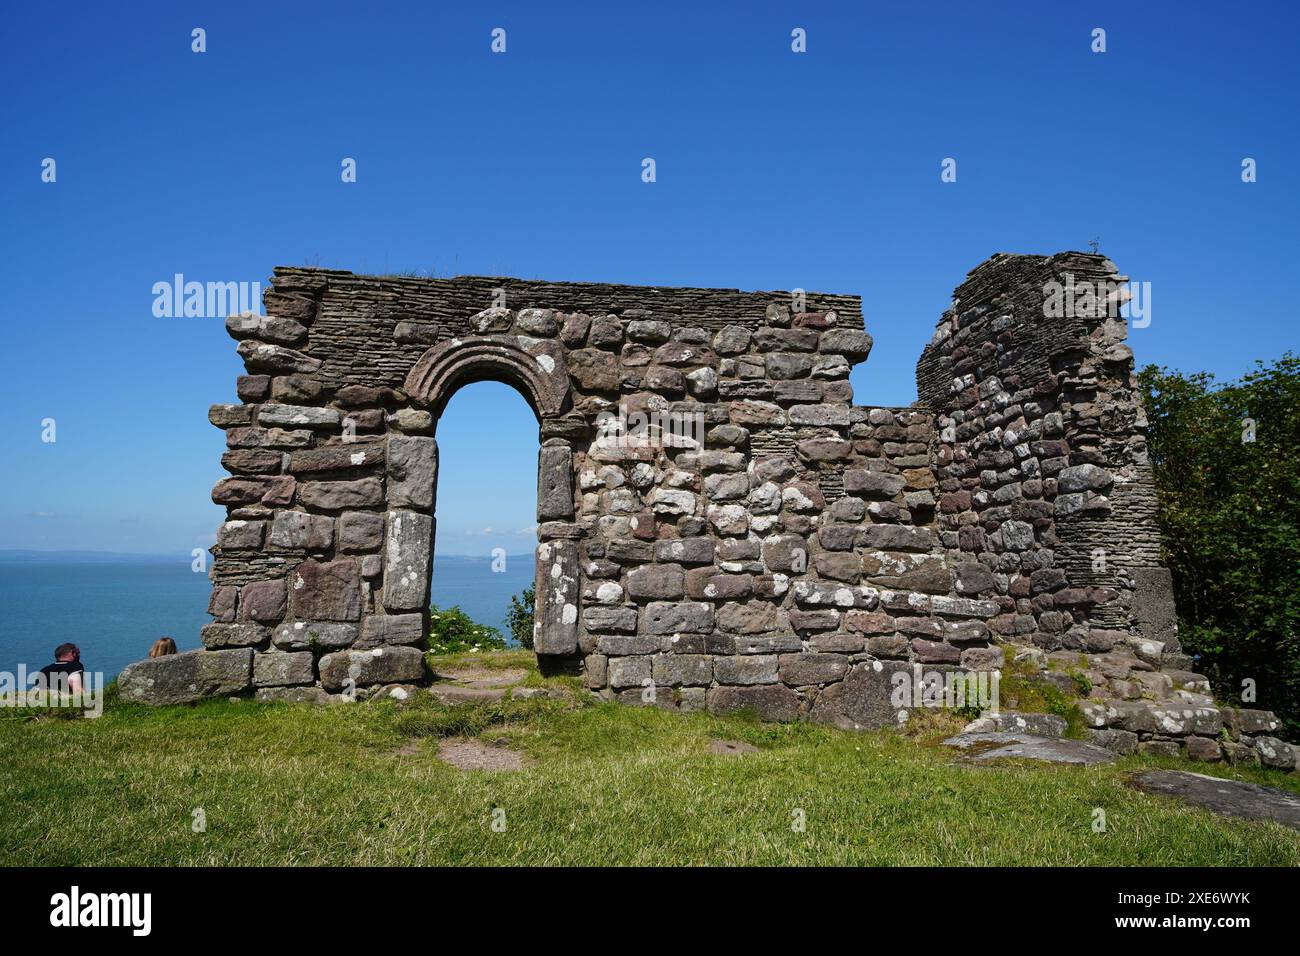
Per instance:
(775,170)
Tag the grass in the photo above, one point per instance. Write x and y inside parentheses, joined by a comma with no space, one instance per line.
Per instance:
(362,784)
(515,658)
(1022,689)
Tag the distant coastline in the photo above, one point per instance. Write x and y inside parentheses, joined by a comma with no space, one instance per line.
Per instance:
(28,555)
(15,555)
(114,605)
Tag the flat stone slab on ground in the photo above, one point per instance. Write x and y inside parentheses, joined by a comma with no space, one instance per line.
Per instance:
(484,677)
(533,693)
(476,755)
(984,747)
(453,694)
(1229,798)
(731,747)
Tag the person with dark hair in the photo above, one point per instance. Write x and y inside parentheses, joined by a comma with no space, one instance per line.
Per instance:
(64,675)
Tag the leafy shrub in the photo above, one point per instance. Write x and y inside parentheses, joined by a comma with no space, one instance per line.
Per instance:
(1230,515)
(520,616)
(452,631)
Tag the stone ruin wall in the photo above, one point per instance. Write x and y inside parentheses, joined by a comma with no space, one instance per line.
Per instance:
(808,551)
(1042,463)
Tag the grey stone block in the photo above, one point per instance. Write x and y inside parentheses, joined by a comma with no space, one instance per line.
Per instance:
(187,677)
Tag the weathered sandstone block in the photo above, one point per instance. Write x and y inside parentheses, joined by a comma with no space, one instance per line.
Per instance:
(326,591)
(187,677)
(344,670)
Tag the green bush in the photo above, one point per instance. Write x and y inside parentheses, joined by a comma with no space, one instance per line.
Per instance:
(451,631)
(520,616)
(1230,515)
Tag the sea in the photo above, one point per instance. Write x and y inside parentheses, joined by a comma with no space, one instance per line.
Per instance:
(115,606)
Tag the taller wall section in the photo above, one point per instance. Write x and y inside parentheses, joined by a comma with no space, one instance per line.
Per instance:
(1041,455)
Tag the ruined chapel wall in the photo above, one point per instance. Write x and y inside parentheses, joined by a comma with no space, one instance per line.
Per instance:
(790,559)
(794,545)
(796,554)
(1041,457)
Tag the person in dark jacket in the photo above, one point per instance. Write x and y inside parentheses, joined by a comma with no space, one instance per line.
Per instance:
(64,675)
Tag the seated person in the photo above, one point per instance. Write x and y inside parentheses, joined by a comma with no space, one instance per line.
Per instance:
(162,647)
(64,675)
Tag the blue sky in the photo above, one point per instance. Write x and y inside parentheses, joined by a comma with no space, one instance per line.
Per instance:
(774,170)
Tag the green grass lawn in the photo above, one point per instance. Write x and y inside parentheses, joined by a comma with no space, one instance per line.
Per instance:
(362,784)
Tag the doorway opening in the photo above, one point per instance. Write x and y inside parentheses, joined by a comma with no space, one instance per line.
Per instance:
(485,519)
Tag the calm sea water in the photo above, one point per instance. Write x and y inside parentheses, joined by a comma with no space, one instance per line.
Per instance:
(114,611)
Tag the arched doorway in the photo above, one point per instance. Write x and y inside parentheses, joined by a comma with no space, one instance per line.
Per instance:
(485,532)
(537,371)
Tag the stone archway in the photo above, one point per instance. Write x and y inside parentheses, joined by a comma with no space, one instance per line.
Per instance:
(538,372)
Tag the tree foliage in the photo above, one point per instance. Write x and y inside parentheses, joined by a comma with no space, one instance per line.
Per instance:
(520,616)
(1230,516)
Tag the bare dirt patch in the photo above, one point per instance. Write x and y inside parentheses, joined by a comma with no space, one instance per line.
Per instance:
(476,755)
(731,747)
